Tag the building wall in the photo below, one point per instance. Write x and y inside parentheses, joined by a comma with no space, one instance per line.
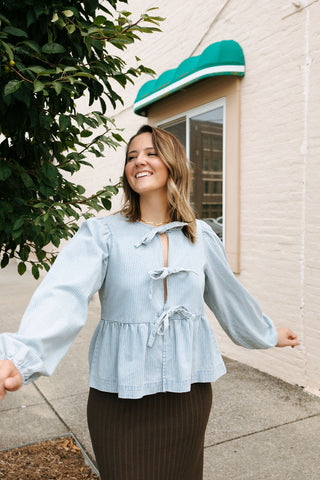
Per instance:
(280,176)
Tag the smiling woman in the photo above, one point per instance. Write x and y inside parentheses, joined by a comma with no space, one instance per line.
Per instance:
(153,355)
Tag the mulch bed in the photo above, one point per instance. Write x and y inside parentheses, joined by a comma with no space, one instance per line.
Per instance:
(57,459)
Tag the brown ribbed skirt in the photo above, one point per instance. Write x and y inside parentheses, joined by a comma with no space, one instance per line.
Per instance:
(157,437)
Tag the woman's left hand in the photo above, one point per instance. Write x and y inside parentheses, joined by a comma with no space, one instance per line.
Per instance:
(287,338)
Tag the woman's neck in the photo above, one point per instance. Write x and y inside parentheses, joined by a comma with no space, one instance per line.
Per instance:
(154,210)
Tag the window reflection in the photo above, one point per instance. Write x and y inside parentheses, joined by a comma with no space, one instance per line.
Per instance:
(178,129)
(206,156)
(206,159)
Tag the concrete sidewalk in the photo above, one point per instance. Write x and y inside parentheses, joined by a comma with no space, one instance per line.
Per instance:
(260,427)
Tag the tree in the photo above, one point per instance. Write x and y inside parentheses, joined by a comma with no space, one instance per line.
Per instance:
(51,54)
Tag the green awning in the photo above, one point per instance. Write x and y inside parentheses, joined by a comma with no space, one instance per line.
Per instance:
(220,58)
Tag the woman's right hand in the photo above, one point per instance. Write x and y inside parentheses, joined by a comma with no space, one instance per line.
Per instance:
(10,378)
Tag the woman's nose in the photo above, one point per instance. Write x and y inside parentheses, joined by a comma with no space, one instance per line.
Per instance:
(140,159)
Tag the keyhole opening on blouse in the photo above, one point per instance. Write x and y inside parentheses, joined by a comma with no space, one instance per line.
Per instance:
(165,248)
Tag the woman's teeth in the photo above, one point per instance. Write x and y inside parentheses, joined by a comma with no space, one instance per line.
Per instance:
(143,174)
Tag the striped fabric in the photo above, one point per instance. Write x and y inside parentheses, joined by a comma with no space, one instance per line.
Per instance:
(141,346)
(157,437)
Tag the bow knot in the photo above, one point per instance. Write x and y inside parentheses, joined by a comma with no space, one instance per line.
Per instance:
(162,229)
(164,272)
(162,324)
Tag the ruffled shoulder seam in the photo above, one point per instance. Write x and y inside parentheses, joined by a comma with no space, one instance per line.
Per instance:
(206,230)
(99,227)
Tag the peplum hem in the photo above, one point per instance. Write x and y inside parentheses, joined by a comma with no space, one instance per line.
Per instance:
(139,391)
(137,359)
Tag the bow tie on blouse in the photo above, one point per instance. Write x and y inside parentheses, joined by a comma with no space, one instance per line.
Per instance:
(162,229)
(164,272)
(162,324)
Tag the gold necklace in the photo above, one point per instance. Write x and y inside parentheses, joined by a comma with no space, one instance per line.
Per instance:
(153,223)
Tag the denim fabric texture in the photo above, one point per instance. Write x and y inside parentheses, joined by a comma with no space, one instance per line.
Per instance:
(142,344)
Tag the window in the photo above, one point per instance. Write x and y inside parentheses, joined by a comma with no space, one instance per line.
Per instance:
(201,131)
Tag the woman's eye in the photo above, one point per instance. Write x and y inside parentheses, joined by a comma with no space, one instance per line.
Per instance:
(152,154)
(130,158)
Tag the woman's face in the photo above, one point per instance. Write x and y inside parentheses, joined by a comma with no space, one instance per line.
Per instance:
(145,171)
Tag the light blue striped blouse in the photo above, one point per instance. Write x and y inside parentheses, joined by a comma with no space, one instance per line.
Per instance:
(142,345)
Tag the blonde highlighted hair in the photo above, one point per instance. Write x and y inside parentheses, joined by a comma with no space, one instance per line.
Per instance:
(172,153)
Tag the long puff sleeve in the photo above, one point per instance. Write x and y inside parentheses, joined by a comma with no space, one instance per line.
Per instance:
(58,309)
(236,310)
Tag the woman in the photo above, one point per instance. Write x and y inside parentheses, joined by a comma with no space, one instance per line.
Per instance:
(153,355)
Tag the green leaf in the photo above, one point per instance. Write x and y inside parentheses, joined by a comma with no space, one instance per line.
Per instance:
(64,122)
(27,180)
(125,13)
(38,86)
(152,8)
(8,49)
(12,87)
(24,252)
(16,233)
(117,137)
(55,17)
(49,170)
(80,118)
(106,203)
(85,133)
(4,19)
(40,255)
(38,70)
(68,13)
(35,272)
(55,240)
(52,48)
(33,45)
(111,188)
(18,223)
(86,74)
(5,171)
(93,29)
(103,105)
(21,268)
(17,32)
(70,69)
(99,20)
(70,29)
(58,87)
(61,24)
(46,266)
(92,122)
(4,260)
(31,18)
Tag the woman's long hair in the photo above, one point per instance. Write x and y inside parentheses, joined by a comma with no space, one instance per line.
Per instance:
(172,153)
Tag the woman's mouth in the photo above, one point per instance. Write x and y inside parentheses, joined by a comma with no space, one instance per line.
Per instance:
(143,174)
